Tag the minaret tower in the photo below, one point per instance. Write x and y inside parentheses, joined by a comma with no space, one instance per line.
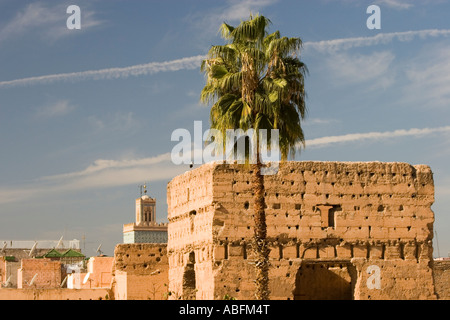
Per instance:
(145,229)
(145,210)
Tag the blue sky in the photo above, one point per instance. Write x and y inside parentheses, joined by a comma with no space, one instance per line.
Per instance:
(86,115)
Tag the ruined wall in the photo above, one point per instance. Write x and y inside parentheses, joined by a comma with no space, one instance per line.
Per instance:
(78,280)
(441,270)
(140,271)
(98,274)
(190,233)
(362,214)
(8,271)
(3,275)
(48,273)
(101,269)
(55,294)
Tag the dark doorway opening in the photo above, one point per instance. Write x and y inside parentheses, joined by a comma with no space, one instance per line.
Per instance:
(322,280)
(189,282)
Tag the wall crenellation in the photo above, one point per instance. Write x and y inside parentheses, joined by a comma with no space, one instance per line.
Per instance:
(325,249)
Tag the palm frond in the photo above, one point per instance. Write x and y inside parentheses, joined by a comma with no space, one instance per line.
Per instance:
(256,81)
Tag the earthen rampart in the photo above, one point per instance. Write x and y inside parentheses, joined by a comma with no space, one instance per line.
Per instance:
(342,217)
(55,294)
(441,270)
(140,271)
(39,273)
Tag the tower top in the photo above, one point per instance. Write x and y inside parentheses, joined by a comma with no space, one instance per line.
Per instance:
(143,189)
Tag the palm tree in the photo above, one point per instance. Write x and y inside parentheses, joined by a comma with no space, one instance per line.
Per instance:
(256,81)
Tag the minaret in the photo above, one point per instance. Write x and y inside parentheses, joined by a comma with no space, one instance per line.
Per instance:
(145,210)
(145,229)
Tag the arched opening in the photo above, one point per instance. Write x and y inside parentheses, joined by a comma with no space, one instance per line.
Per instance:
(189,283)
(325,281)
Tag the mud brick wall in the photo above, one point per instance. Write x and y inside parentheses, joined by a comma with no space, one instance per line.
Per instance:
(140,271)
(3,276)
(55,294)
(190,233)
(100,269)
(48,273)
(441,271)
(358,213)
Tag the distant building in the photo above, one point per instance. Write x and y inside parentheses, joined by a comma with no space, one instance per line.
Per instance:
(68,258)
(442,259)
(12,252)
(145,229)
(40,273)
(98,274)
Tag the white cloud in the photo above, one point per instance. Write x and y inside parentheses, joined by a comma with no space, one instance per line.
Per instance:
(352,137)
(237,10)
(122,122)
(57,109)
(374,69)
(104,173)
(190,63)
(331,46)
(396,4)
(429,78)
(102,164)
(101,174)
(233,11)
(31,16)
(319,121)
(59,30)
(49,21)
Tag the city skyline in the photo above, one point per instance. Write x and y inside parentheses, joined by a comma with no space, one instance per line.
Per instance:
(86,115)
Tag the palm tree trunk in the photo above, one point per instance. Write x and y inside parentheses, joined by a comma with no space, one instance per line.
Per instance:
(260,235)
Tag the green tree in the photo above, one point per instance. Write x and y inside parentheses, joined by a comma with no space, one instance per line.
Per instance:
(256,81)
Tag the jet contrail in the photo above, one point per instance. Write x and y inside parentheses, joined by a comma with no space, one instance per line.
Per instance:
(190,63)
(324,141)
(111,73)
(381,38)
